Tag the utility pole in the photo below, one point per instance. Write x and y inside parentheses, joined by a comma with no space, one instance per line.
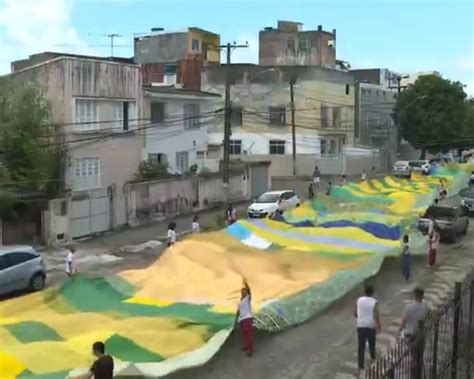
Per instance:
(399,90)
(112,36)
(228,113)
(293,126)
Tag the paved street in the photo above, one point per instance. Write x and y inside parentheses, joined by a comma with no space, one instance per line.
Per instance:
(325,347)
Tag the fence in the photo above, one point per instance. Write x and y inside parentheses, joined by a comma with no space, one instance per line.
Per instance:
(443,349)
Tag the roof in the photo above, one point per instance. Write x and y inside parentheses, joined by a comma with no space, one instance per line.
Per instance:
(16,248)
(172,90)
(279,192)
(54,54)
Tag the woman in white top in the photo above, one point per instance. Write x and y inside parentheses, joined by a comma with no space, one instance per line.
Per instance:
(368,324)
(171,234)
(245,318)
(71,262)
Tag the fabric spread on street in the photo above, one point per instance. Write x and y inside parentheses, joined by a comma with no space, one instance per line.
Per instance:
(179,311)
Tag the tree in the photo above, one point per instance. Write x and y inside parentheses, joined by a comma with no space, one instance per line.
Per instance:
(30,156)
(432,114)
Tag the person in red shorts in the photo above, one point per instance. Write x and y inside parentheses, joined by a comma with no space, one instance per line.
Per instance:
(245,318)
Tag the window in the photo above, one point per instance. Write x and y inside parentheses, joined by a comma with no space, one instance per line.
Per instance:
(86,115)
(117,114)
(157,111)
(182,161)
(277,147)
(3,262)
(303,44)
(123,115)
(86,173)
(191,116)
(336,117)
(169,74)
(235,147)
(277,115)
(324,116)
(287,195)
(195,44)
(332,147)
(323,146)
(348,89)
(290,45)
(236,115)
(17,258)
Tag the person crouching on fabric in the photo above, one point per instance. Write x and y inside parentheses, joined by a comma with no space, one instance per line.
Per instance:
(245,318)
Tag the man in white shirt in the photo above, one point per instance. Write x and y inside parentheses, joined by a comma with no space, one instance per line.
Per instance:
(71,262)
(368,324)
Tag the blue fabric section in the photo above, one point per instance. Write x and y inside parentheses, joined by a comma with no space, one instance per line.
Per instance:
(301,224)
(377,229)
(238,231)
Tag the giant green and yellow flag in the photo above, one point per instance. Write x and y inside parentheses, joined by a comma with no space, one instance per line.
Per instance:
(178,312)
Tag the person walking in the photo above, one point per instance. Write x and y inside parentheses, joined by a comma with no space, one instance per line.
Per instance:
(329,189)
(412,326)
(310,191)
(433,242)
(368,324)
(344,180)
(171,234)
(316,177)
(364,176)
(245,318)
(231,215)
(406,258)
(195,227)
(103,367)
(71,268)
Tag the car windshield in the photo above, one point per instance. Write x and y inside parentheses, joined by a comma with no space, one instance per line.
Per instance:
(268,198)
(468,192)
(401,164)
(440,213)
(417,163)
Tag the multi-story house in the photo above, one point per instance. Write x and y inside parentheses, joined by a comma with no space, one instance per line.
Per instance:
(97,103)
(261,109)
(289,44)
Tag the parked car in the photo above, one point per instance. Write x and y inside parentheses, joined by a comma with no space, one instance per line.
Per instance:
(21,268)
(270,202)
(467,201)
(450,220)
(420,166)
(402,169)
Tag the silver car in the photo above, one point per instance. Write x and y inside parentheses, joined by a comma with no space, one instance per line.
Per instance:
(21,268)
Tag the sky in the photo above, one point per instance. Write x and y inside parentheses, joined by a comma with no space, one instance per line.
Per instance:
(403,36)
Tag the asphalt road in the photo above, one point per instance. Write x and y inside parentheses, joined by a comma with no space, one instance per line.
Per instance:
(325,346)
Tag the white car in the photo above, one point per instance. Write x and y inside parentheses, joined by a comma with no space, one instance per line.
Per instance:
(270,202)
(402,169)
(421,166)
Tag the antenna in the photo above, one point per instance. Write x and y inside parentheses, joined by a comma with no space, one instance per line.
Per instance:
(112,36)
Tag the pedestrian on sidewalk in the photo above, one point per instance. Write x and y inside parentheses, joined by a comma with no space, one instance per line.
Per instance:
(245,318)
(316,177)
(433,242)
(310,191)
(231,215)
(412,326)
(368,324)
(406,258)
(344,180)
(364,176)
(171,234)
(329,189)
(71,268)
(195,227)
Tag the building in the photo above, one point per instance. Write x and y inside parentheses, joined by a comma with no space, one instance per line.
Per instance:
(261,109)
(411,77)
(379,76)
(374,125)
(176,58)
(97,103)
(289,44)
(177,138)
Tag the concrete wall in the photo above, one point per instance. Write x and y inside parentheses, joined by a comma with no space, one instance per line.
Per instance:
(161,48)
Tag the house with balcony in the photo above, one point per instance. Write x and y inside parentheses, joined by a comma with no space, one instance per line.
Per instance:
(96,102)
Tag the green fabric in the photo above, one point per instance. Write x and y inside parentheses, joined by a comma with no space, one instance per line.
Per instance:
(32,331)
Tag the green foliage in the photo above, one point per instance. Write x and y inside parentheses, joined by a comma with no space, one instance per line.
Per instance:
(152,170)
(432,114)
(29,153)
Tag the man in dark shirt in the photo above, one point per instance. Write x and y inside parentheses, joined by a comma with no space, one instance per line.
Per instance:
(103,367)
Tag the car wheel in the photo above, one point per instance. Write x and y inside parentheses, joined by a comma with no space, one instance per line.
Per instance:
(37,282)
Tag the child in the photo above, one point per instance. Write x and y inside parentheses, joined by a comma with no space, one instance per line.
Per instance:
(71,262)
(310,191)
(364,176)
(344,181)
(406,258)
(245,317)
(195,227)
(171,234)
(231,215)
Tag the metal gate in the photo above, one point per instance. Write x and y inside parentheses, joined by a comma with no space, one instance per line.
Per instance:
(90,213)
(259,180)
